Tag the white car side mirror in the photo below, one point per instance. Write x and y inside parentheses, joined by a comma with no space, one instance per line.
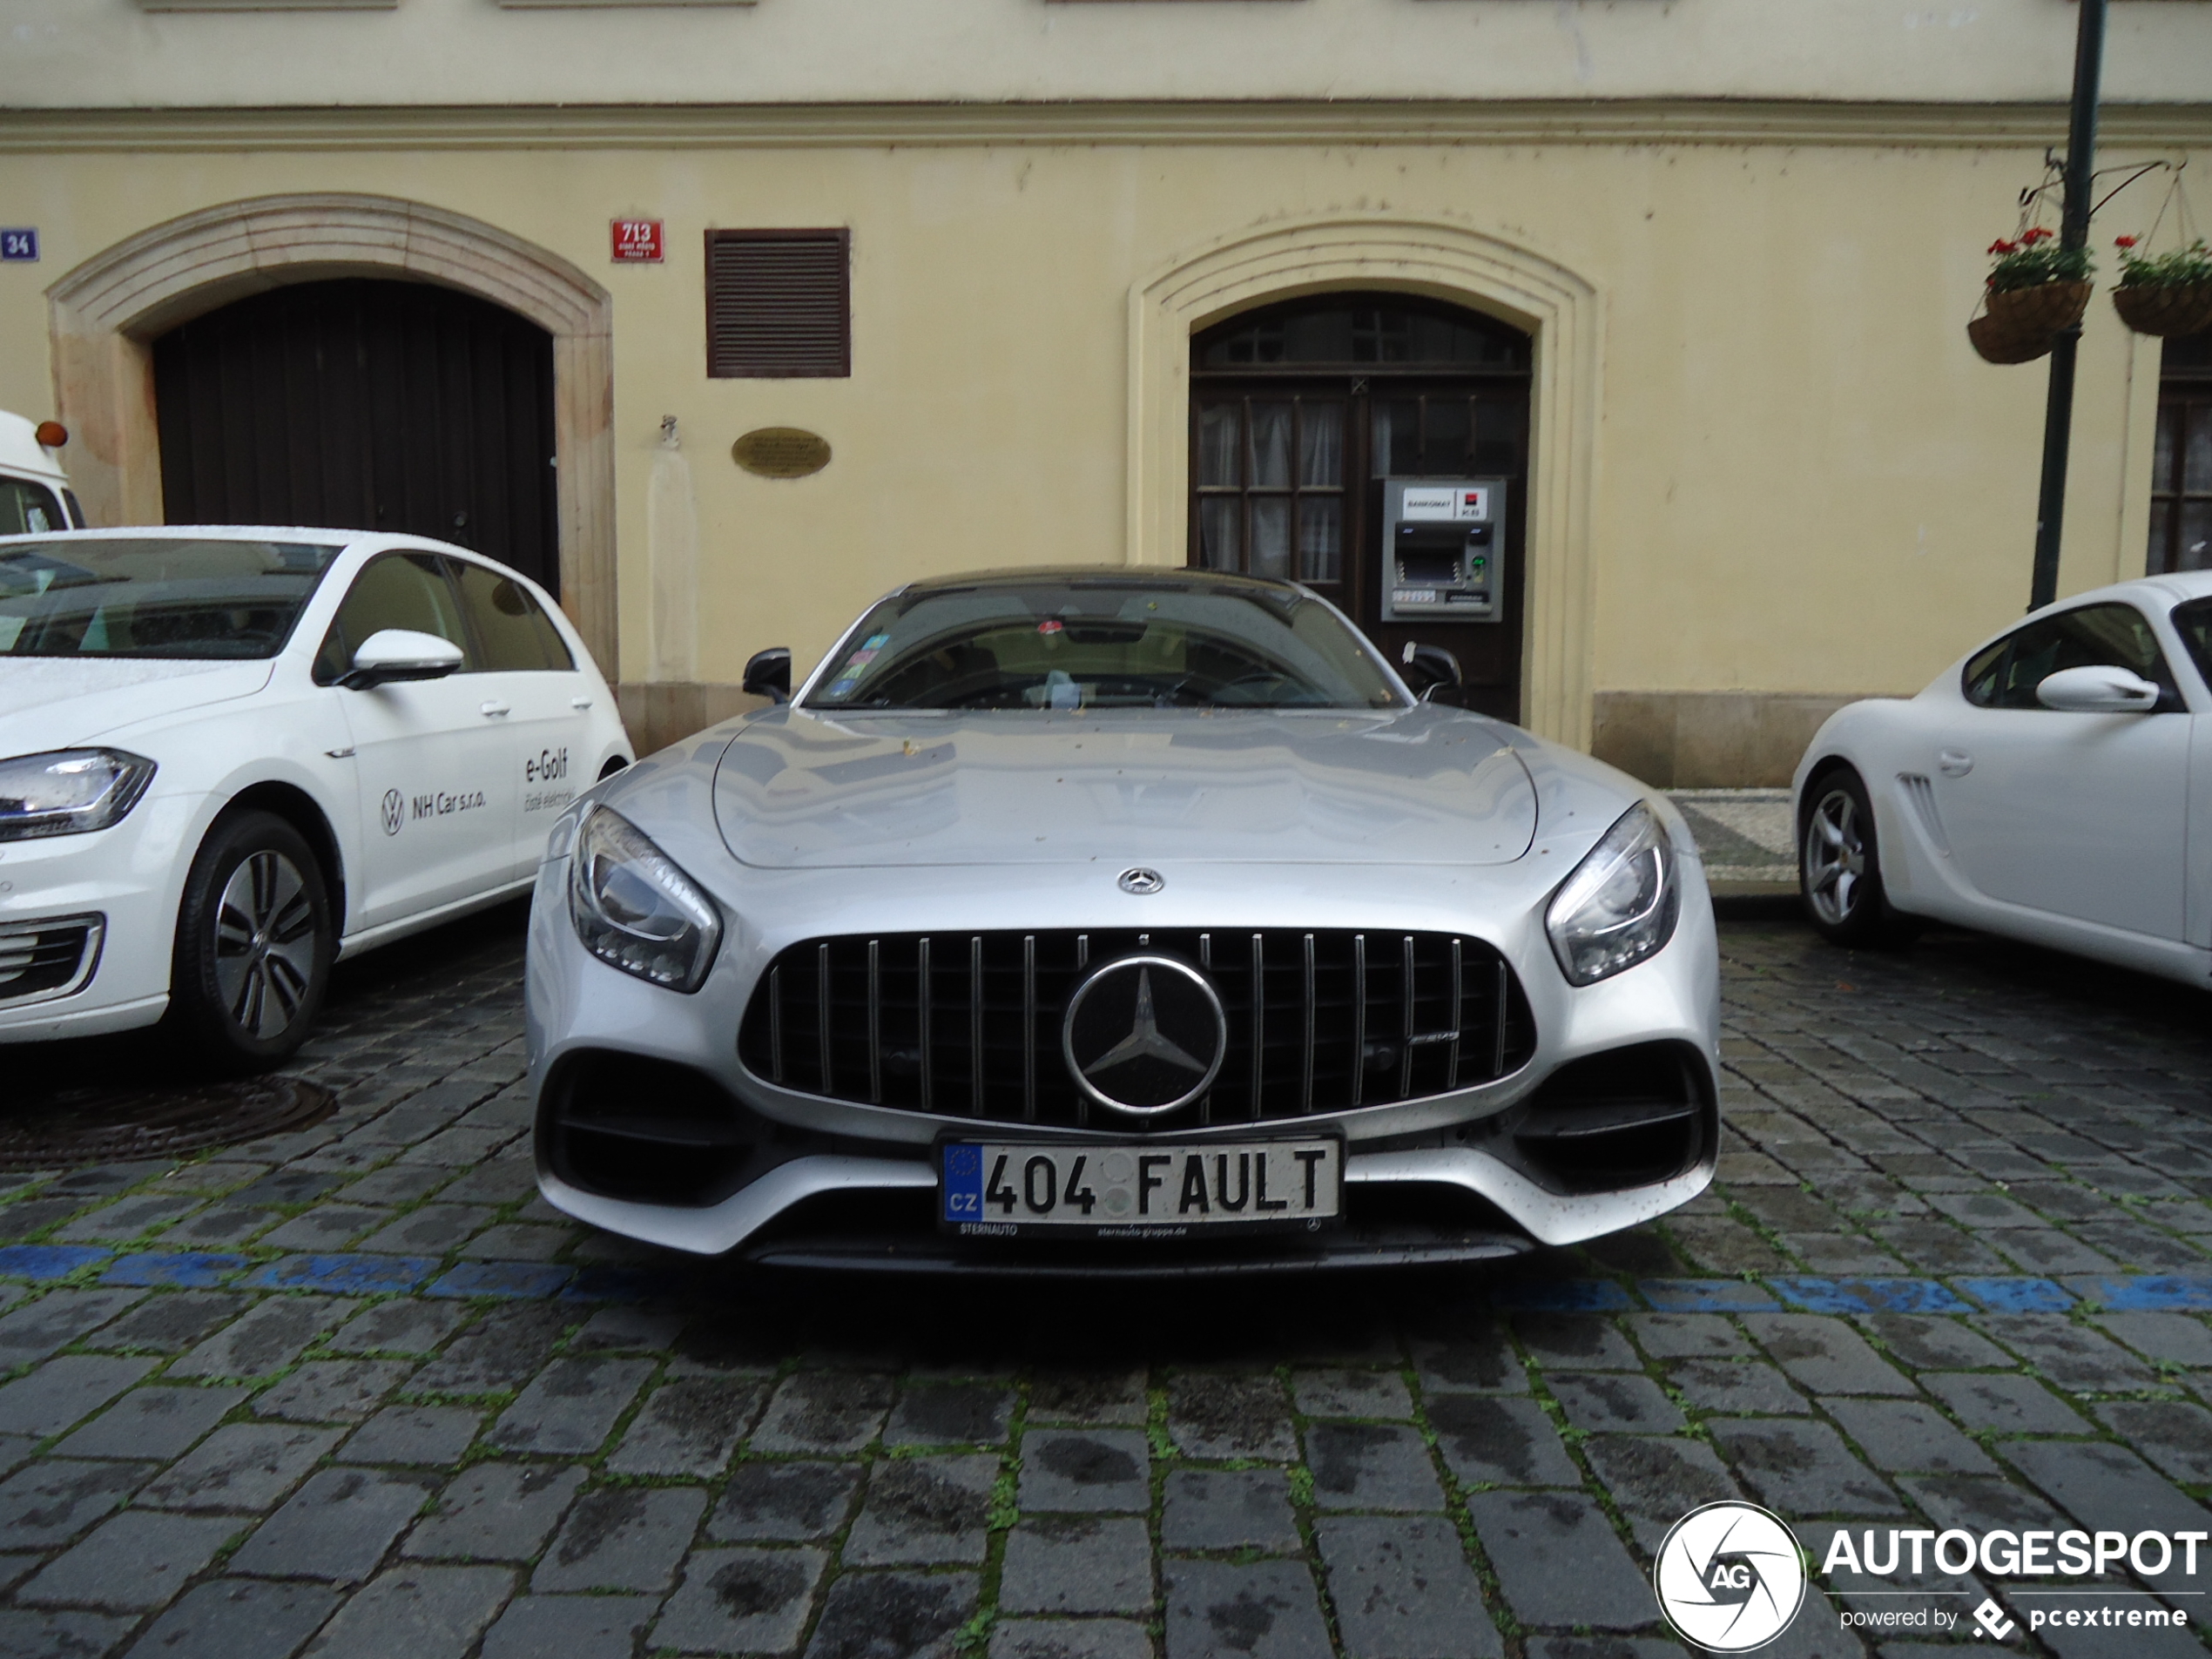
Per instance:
(400,654)
(2101,690)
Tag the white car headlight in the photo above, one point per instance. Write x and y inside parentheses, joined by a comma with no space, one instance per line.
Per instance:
(635,910)
(1619,905)
(69,792)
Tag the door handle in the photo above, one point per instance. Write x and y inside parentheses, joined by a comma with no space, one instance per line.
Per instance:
(494,710)
(579,702)
(1954,763)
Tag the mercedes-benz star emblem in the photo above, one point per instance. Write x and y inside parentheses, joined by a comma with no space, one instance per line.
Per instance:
(1144,1034)
(1142,882)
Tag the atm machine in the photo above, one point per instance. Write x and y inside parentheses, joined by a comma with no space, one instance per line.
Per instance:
(1443,546)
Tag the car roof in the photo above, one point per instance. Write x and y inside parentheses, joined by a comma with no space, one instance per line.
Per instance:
(313,535)
(1103,575)
(20,451)
(2175,585)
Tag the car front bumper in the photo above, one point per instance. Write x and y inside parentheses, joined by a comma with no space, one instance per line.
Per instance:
(128,876)
(1445,1178)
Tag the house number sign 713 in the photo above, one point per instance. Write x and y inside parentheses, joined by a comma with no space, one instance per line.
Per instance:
(637,241)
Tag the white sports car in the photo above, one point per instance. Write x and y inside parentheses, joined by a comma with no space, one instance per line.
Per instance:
(2054,785)
(229,756)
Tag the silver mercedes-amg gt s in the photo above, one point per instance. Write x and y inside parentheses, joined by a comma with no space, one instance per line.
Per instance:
(1119,921)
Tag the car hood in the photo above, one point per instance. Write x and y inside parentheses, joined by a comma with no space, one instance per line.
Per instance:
(61,701)
(795,790)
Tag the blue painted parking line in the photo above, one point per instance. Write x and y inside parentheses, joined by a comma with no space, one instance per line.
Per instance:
(192,1269)
(2017,1295)
(518,1279)
(1706,1295)
(347,1275)
(2145,1293)
(1561,1296)
(1817,1295)
(47,1261)
(625,1285)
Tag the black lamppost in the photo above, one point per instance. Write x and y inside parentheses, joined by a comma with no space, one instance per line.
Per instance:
(2073,232)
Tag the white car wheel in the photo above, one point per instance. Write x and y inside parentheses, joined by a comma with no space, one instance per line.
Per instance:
(255,943)
(1835,859)
(1839,867)
(265,944)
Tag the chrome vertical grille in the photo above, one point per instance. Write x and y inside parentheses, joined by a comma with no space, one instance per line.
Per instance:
(967,1025)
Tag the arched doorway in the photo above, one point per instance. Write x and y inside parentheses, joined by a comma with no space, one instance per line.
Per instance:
(364,404)
(107,311)
(1298,413)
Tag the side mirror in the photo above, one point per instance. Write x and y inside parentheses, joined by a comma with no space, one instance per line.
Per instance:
(400,654)
(1431,669)
(2101,690)
(767,673)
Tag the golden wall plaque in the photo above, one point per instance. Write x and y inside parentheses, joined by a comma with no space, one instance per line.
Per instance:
(781,452)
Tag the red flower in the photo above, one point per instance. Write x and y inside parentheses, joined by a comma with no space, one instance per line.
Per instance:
(2123,241)
(2038,234)
(2001,246)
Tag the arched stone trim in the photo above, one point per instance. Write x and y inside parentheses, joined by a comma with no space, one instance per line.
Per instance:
(105,313)
(1559,308)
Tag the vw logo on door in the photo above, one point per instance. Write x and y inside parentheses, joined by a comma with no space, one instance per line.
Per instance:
(1144,1034)
(395,812)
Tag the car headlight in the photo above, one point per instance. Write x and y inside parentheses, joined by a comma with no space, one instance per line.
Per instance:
(68,791)
(1620,904)
(635,910)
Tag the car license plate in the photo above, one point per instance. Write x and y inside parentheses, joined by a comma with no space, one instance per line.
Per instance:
(998,1189)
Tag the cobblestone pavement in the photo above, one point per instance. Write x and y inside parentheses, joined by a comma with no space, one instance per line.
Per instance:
(1747,835)
(358,1392)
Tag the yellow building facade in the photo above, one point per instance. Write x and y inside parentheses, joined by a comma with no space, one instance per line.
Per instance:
(1765,470)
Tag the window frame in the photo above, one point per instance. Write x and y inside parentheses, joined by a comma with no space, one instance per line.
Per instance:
(472,648)
(2184,405)
(483,646)
(1998,654)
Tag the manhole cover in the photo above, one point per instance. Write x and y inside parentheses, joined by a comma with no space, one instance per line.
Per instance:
(116,1125)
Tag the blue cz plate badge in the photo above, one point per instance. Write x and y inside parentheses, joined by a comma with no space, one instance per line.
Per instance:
(1002,1188)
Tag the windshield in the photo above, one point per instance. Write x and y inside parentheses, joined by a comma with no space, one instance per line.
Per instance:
(156,597)
(1103,644)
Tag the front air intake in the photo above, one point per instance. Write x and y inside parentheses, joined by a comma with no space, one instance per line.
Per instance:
(1625,1118)
(624,1126)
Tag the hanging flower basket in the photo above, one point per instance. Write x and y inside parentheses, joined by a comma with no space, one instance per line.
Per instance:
(2036,289)
(2020,324)
(2169,295)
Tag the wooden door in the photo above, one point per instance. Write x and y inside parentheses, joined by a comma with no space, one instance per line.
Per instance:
(1298,413)
(364,405)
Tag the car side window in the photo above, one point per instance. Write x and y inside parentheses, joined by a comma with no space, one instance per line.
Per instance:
(394,590)
(29,510)
(2004,675)
(2193,622)
(512,627)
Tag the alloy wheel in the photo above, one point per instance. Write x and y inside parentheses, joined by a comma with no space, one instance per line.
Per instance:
(1834,857)
(265,944)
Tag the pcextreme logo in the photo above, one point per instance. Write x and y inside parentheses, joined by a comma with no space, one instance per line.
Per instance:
(1729,1577)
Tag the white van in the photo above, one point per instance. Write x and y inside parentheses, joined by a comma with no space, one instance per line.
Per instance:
(35,498)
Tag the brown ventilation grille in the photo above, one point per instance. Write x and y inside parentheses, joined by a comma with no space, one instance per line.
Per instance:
(778,305)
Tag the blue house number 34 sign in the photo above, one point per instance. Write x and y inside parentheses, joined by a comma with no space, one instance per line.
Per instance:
(19,243)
